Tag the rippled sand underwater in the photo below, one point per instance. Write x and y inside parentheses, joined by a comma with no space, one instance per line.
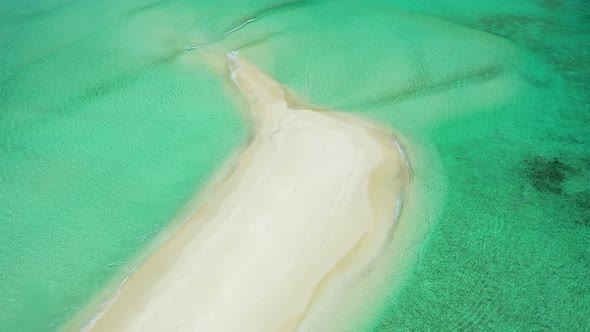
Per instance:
(106,131)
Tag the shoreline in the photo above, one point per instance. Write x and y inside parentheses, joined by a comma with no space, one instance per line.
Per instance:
(146,293)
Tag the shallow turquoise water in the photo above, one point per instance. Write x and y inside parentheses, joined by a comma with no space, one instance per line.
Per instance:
(105,133)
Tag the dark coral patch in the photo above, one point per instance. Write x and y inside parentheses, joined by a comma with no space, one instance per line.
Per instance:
(547,175)
(582,200)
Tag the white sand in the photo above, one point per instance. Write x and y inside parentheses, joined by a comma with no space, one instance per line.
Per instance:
(312,196)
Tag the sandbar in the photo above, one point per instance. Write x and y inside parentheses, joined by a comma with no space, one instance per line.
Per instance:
(313,193)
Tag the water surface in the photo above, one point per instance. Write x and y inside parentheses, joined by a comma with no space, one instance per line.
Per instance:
(105,134)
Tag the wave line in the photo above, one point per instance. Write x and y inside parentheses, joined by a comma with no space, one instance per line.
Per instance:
(225,35)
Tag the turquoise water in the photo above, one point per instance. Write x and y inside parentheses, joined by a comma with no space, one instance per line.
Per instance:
(106,132)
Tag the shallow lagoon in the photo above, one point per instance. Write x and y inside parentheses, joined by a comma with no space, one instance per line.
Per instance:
(105,135)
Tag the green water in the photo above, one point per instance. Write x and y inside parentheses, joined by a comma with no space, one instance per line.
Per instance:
(106,132)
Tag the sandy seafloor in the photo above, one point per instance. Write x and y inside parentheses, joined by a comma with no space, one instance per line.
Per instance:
(107,132)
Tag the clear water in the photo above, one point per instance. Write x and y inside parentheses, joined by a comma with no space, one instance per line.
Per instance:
(105,134)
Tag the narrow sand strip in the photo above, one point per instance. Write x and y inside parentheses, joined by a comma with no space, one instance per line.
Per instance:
(313,194)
